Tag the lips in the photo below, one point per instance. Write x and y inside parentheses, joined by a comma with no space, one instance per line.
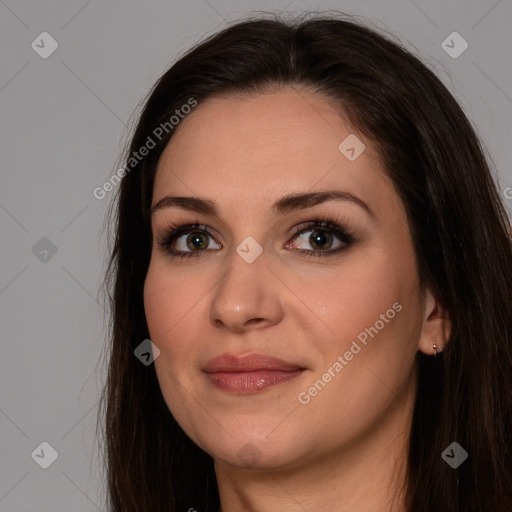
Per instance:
(229,363)
(250,373)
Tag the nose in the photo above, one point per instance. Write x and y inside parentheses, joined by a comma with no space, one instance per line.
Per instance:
(247,297)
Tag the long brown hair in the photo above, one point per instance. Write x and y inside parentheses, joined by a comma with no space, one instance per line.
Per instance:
(461,236)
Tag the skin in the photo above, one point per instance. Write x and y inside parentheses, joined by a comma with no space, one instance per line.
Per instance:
(345,450)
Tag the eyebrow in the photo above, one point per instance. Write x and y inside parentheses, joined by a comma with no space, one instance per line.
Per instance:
(284,205)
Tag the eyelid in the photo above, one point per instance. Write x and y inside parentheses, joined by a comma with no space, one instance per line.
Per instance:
(329,223)
(171,232)
(326,225)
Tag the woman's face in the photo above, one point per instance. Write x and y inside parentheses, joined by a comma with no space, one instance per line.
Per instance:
(343,308)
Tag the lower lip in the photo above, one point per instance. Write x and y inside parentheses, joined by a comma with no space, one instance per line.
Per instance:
(251,382)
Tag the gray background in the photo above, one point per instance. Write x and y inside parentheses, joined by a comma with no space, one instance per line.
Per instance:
(64,121)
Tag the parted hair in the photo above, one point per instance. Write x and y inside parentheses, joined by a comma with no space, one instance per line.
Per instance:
(459,228)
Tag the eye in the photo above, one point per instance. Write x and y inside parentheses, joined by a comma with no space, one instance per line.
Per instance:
(192,240)
(178,245)
(324,233)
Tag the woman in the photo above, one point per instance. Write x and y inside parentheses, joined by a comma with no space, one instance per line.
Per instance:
(309,233)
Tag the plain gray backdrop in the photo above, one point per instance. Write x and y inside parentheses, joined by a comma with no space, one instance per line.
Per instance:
(64,120)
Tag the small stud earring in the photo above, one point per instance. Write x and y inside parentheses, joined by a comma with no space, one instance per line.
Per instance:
(435,349)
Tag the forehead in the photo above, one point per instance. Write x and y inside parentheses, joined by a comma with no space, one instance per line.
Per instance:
(263,145)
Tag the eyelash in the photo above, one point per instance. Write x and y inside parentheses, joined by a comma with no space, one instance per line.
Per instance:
(175,230)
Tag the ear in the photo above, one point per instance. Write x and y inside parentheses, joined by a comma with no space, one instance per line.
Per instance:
(437,326)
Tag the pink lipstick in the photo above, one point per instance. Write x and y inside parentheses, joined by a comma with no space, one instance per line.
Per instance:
(249,374)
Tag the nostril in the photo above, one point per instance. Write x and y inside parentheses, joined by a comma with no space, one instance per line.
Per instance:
(255,320)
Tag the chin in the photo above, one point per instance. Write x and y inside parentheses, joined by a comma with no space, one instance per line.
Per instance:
(249,450)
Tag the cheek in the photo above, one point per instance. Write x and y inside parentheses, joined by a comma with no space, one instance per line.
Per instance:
(168,299)
(157,299)
(175,305)
(165,304)
(169,314)
(372,310)
(367,289)
(156,303)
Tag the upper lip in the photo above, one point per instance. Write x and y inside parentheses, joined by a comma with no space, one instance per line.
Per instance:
(252,362)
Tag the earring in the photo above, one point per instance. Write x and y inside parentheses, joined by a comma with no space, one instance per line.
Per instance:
(435,349)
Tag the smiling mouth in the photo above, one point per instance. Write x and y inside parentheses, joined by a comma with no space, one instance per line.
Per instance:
(243,382)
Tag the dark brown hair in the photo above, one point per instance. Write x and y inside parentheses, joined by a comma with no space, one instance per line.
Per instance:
(461,236)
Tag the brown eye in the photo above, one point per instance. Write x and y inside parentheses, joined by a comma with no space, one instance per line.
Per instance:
(174,242)
(318,239)
(323,234)
(196,240)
